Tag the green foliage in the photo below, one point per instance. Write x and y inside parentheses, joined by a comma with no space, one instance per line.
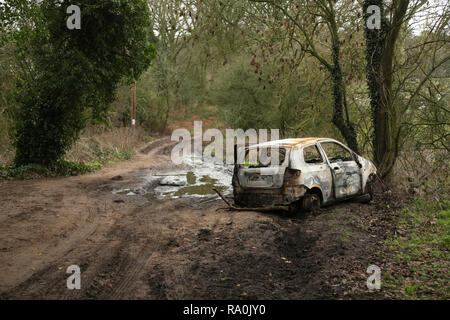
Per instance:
(169,88)
(171,85)
(244,102)
(70,168)
(250,99)
(75,73)
(260,69)
(64,167)
(33,170)
(112,154)
(23,172)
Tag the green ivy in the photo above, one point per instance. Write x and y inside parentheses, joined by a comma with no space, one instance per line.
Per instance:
(74,73)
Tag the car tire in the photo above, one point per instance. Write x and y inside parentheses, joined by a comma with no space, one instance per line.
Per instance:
(369,188)
(311,202)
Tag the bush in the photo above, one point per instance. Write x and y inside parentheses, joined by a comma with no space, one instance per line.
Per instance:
(71,85)
(28,171)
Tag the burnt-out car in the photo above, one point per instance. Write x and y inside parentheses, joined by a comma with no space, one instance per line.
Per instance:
(308,173)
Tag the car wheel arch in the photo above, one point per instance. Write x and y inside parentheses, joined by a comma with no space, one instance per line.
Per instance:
(316,190)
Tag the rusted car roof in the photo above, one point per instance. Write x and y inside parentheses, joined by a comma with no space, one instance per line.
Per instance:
(288,143)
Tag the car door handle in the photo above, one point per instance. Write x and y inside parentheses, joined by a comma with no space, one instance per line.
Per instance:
(336,168)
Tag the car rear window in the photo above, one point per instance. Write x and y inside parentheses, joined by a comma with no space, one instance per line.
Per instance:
(265,157)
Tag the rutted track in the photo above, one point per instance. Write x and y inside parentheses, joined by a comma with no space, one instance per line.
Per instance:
(141,247)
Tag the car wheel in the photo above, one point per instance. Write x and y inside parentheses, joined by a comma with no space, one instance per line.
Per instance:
(369,188)
(311,202)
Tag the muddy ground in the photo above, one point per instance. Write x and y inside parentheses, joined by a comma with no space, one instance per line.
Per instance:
(145,247)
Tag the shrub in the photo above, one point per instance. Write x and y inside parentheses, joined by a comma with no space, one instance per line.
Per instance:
(75,73)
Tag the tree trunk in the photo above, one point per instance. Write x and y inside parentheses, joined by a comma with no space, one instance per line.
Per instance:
(346,128)
(380,44)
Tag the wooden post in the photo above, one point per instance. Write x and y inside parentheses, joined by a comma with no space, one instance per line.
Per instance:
(133,105)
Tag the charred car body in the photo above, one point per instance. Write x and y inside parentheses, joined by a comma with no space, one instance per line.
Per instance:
(310,172)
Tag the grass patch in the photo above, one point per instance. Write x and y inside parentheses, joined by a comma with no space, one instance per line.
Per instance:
(345,236)
(32,171)
(107,155)
(191,178)
(421,248)
(96,147)
(64,167)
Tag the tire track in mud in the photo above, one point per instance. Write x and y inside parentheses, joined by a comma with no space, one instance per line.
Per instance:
(126,267)
(77,230)
(96,278)
(119,276)
(67,251)
(153,235)
(130,268)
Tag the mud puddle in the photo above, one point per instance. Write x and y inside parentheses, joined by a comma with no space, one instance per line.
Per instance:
(197,180)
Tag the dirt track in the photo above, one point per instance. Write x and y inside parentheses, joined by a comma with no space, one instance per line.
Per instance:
(141,247)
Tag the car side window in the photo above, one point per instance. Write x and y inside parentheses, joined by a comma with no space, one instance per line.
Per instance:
(312,155)
(336,153)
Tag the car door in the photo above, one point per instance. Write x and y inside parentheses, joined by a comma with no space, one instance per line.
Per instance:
(316,172)
(345,170)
